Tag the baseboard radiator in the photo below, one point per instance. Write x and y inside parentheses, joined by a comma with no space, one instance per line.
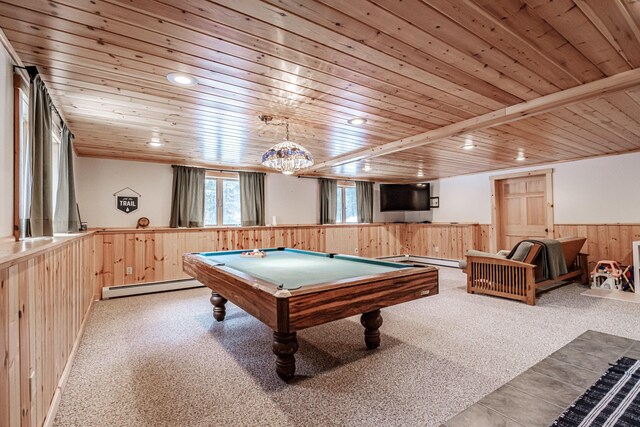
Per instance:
(443,262)
(148,288)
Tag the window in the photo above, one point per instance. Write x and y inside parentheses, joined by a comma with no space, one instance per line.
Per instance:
(22,159)
(56,134)
(347,211)
(24,178)
(221,199)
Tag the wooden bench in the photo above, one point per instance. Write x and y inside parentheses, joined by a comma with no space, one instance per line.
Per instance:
(517,280)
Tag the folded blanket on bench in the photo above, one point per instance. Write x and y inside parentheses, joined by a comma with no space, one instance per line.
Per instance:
(551,257)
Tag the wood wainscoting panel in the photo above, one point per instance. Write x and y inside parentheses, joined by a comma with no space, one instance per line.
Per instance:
(155,255)
(124,257)
(604,241)
(44,299)
(449,241)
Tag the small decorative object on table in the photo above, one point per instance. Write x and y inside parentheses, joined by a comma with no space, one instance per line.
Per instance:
(254,254)
(143,222)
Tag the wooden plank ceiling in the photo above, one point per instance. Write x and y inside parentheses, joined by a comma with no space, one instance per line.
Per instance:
(407,66)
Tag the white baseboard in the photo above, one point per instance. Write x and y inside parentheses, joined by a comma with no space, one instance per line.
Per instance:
(148,288)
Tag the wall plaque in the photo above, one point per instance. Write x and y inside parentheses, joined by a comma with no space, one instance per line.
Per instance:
(127,204)
(127,200)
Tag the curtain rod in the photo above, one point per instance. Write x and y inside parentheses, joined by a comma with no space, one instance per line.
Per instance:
(337,179)
(212,170)
(298,176)
(33,71)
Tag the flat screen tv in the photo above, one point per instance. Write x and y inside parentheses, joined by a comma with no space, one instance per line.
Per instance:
(404,197)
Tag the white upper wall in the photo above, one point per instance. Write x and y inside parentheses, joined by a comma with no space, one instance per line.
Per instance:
(6,144)
(290,199)
(593,191)
(98,179)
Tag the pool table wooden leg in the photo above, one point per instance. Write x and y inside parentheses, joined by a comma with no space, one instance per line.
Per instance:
(371,322)
(284,347)
(218,302)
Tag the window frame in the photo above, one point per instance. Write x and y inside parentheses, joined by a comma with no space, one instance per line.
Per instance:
(220,177)
(20,93)
(343,201)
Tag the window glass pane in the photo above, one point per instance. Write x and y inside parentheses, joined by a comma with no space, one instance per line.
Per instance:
(210,202)
(230,202)
(55,160)
(25,177)
(351,208)
(339,210)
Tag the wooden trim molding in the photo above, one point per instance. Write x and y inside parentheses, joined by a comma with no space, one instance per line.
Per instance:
(522,174)
(4,41)
(12,253)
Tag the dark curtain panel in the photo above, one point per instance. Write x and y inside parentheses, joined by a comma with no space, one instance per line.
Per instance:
(187,201)
(66,214)
(364,200)
(252,198)
(328,200)
(41,212)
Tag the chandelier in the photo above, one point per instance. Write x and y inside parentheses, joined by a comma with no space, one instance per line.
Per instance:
(287,156)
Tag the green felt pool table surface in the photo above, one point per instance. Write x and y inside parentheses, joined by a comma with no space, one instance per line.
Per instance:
(294,268)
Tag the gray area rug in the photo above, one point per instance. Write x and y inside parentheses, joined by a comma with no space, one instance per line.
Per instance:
(161,360)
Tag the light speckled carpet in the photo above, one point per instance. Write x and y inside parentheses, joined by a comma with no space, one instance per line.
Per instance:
(161,360)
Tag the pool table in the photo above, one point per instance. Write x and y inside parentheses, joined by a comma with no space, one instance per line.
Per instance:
(292,289)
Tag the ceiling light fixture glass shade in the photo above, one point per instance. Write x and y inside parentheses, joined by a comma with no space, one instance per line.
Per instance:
(357,121)
(287,157)
(181,79)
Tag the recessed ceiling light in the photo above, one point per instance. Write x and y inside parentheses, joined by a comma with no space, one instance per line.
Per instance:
(182,79)
(468,144)
(155,143)
(420,174)
(521,157)
(357,121)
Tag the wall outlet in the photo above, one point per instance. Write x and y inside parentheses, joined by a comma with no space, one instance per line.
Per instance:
(437,249)
(129,270)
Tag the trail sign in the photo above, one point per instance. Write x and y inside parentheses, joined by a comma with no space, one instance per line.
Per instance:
(127,204)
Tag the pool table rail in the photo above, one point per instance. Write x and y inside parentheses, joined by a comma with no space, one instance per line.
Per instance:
(253,295)
(326,304)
